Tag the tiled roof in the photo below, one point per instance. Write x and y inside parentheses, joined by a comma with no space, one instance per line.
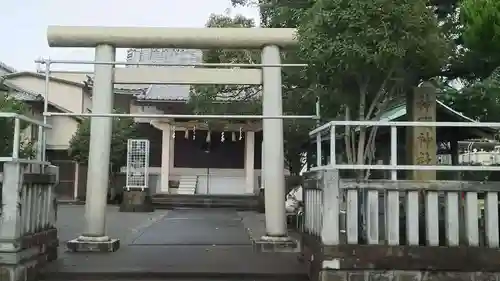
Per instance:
(166,92)
(42,76)
(22,94)
(7,68)
(27,95)
(153,92)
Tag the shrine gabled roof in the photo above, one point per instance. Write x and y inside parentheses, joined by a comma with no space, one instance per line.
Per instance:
(150,93)
(399,111)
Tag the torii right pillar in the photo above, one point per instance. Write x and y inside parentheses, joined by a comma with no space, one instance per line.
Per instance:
(276,238)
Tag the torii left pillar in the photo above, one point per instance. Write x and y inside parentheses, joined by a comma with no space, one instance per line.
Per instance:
(94,238)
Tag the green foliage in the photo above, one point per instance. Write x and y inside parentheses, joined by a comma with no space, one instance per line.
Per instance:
(9,104)
(477,62)
(481,20)
(479,100)
(367,54)
(474,26)
(123,129)
(364,54)
(350,42)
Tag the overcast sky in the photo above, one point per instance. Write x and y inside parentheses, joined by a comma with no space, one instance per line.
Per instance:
(23,23)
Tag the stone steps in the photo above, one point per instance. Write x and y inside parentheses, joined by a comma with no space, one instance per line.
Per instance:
(239,202)
(187,185)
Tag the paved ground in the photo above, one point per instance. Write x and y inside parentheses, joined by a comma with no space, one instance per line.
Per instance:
(191,227)
(180,243)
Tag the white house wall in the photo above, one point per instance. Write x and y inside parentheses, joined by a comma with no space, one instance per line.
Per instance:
(137,109)
(63,129)
(67,96)
(76,77)
(486,158)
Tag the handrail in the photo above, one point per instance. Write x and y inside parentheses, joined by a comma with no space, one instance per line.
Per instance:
(17,139)
(24,118)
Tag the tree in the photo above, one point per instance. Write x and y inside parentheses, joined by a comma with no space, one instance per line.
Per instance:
(123,129)
(10,104)
(367,54)
(363,55)
(480,100)
(480,34)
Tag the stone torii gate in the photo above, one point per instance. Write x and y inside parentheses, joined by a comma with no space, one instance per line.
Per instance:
(106,39)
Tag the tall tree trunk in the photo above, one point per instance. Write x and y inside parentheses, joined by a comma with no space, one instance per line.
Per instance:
(347,138)
(293,161)
(362,131)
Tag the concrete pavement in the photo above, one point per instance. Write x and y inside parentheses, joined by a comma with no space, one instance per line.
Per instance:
(196,243)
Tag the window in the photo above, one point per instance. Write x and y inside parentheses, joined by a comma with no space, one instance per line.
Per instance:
(34,132)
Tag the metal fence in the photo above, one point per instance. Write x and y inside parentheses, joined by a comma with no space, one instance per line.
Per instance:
(137,175)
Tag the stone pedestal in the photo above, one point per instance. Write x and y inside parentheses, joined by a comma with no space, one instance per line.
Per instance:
(26,261)
(276,244)
(136,201)
(422,141)
(93,244)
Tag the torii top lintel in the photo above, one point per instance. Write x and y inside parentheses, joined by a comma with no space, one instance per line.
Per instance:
(163,37)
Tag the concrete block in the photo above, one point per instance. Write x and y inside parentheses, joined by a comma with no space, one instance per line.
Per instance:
(284,246)
(136,201)
(76,245)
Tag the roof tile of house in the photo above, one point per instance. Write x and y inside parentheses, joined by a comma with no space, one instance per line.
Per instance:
(7,68)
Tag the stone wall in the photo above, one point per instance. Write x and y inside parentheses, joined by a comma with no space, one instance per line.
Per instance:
(401,275)
(33,253)
(398,263)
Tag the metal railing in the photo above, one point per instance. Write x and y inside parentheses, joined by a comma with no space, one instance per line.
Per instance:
(48,63)
(17,141)
(394,167)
